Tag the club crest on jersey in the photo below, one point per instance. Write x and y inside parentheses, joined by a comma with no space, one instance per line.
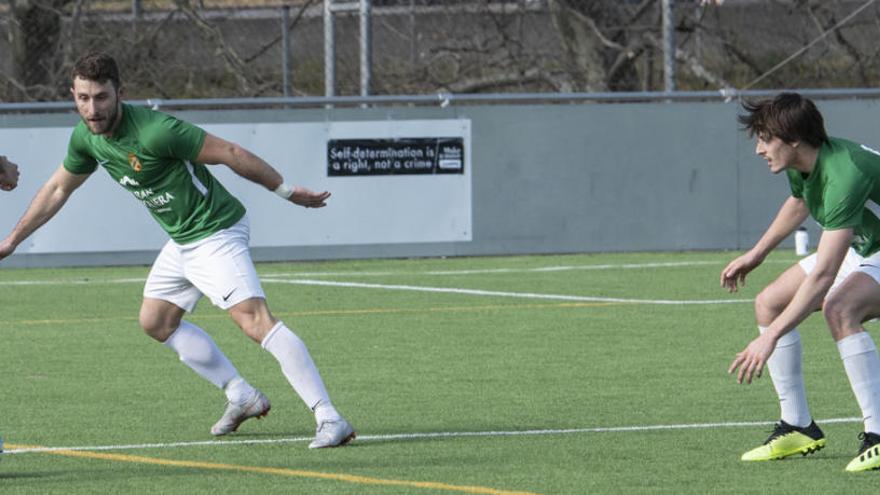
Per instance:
(134,162)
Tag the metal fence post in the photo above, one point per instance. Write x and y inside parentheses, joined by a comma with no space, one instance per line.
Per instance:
(363,7)
(285,49)
(329,50)
(668,46)
(366,48)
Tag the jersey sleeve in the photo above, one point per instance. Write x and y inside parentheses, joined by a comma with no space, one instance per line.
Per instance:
(845,199)
(78,160)
(174,138)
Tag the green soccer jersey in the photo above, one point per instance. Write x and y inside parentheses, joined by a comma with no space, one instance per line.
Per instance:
(843,191)
(152,155)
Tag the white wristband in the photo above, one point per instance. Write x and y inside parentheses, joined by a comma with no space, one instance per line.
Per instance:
(284,191)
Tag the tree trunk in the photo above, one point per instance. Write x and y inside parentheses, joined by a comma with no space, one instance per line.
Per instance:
(34,33)
(595,39)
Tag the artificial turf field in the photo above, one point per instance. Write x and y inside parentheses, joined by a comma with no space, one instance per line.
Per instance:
(534,374)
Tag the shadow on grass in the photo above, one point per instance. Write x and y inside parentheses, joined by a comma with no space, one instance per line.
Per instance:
(34,475)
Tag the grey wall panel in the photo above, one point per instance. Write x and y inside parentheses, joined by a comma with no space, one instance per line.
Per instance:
(555,178)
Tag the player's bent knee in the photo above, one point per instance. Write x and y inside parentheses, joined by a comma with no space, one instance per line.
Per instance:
(253,317)
(768,303)
(841,315)
(156,325)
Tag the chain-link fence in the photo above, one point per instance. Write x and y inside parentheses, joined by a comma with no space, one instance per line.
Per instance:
(234,48)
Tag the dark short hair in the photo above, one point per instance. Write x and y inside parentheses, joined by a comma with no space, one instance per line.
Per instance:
(96,66)
(788,116)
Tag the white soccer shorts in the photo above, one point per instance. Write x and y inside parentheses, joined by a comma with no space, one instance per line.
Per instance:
(218,266)
(871,266)
(852,263)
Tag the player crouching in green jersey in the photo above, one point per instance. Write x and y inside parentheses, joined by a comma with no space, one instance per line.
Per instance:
(837,182)
(162,161)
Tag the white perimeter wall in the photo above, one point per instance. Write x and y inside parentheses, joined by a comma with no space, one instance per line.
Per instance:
(554,178)
(103,217)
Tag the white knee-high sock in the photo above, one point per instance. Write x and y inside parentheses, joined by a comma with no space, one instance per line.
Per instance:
(862,366)
(198,351)
(786,372)
(300,370)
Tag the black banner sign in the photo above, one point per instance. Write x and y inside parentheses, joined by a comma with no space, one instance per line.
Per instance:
(346,157)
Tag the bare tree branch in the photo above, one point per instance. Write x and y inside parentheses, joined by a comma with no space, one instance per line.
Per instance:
(851,50)
(233,61)
(495,81)
(277,39)
(696,68)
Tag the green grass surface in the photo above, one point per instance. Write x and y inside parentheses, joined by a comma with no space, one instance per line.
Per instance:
(76,371)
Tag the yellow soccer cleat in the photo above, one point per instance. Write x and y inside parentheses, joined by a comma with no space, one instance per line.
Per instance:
(869,454)
(787,440)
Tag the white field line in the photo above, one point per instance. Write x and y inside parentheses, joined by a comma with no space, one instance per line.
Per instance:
(486,271)
(413,288)
(489,271)
(425,436)
(74,282)
(491,293)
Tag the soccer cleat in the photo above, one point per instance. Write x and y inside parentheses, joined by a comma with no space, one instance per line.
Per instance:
(869,454)
(787,440)
(332,434)
(256,406)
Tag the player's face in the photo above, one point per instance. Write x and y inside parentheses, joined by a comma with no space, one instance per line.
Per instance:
(97,103)
(779,154)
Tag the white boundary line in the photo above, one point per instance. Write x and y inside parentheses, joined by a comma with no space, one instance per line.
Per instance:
(423,436)
(486,271)
(412,288)
(445,290)
(489,271)
(74,282)
(489,293)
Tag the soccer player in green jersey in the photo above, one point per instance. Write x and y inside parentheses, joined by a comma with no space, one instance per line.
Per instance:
(837,182)
(162,161)
(8,174)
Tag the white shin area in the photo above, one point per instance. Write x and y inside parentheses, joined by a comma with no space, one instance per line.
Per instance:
(786,371)
(197,349)
(862,364)
(300,371)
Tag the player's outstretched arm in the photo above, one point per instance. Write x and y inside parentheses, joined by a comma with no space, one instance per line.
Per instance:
(248,165)
(8,174)
(46,203)
(791,215)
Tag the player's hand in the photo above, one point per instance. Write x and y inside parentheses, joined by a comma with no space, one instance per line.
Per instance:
(734,274)
(6,248)
(309,199)
(8,174)
(752,359)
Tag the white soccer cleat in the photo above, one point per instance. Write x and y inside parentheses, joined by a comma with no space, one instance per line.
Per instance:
(256,406)
(332,434)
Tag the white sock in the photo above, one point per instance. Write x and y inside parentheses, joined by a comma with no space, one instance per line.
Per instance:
(299,369)
(862,366)
(198,351)
(786,372)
